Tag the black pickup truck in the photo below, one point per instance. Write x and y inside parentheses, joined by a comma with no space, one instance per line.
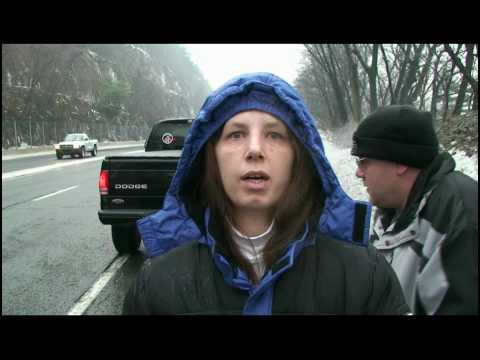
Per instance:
(133,186)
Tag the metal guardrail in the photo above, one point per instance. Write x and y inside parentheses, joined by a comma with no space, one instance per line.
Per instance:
(41,153)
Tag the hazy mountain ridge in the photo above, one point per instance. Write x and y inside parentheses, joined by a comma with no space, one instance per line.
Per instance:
(113,92)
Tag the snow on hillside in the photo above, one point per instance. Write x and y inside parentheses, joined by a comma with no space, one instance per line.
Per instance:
(465,164)
(344,166)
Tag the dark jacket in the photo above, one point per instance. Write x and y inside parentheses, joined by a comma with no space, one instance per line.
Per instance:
(329,277)
(433,244)
(177,224)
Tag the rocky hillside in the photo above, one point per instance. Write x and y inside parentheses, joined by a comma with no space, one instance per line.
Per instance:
(112,91)
(460,133)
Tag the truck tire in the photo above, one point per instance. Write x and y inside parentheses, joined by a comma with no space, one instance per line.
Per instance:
(125,238)
(59,155)
(82,152)
(94,151)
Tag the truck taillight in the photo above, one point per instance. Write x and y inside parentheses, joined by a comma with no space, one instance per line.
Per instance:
(103,182)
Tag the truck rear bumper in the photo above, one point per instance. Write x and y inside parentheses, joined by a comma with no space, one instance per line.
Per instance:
(120,216)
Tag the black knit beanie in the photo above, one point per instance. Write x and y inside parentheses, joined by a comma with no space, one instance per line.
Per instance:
(398,133)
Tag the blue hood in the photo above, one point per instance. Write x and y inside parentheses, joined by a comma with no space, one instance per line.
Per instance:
(342,217)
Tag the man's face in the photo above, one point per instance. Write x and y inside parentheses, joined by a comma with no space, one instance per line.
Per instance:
(381,180)
(255,156)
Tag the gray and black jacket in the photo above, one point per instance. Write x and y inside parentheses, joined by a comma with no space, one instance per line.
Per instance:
(433,243)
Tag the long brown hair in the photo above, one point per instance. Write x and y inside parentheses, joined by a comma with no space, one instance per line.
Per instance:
(302,203)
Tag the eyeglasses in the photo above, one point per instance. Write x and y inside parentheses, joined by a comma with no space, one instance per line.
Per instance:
(361,161)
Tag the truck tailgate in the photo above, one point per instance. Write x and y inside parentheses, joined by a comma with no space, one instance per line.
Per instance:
(137,183)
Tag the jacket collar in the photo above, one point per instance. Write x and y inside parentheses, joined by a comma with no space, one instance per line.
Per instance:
(260,297)
(426,181)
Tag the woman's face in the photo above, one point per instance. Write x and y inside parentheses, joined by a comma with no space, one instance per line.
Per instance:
(255,157)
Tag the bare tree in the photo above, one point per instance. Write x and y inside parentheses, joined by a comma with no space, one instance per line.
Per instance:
(418,90)
(435,77)
(371,71)
(410,78)
(323,57)
(467,78)
(355,84)
(388,72)
(448,76)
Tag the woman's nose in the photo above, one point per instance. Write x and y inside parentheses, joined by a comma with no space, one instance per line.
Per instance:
(255,148)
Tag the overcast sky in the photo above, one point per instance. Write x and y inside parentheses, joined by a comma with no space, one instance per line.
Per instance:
(221,62)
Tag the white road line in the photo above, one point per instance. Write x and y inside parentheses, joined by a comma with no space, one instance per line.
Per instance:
(55,193)
(133,152)
(86,300)
(14,174)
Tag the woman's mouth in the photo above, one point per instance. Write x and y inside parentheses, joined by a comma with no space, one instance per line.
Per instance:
(255,180)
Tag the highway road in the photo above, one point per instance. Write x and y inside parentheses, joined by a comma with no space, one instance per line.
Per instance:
(54,248)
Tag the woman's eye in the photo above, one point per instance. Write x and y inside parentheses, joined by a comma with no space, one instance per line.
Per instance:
(275,135)
(235,135)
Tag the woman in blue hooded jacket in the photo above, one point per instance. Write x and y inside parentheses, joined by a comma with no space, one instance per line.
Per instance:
(255,221)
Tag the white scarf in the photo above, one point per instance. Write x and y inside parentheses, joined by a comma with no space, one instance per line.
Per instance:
(252,246)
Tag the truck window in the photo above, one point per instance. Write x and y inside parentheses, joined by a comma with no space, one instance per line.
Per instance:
(168,136)
(73,137)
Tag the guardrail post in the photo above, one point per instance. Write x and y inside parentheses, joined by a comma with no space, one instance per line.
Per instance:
(15,129)
(30,127)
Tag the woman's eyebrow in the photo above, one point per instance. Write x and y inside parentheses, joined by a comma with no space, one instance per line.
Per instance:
(271,125)
(236,125)
(267,125)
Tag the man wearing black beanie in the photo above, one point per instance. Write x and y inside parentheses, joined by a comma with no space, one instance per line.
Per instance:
(426,218)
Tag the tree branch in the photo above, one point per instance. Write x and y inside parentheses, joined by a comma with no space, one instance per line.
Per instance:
(460,66)
(359,57)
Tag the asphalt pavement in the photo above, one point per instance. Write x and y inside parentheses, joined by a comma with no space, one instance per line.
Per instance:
(54,248)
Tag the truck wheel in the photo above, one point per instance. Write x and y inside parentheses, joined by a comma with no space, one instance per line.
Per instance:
(125,238)
(59,155)
(82,152)
(94,151)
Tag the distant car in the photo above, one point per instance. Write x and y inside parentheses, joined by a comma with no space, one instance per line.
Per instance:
(76,144)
